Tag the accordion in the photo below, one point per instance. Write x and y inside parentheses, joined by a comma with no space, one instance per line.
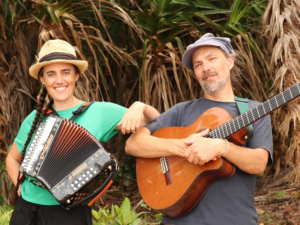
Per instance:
(69,162)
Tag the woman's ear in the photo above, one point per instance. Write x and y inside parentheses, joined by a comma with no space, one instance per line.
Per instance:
(42,80)
(77,77)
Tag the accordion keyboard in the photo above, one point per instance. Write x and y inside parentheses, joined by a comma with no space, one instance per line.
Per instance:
(36,147)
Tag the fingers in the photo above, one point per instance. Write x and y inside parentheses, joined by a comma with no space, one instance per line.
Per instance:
(203,133)
(129,125)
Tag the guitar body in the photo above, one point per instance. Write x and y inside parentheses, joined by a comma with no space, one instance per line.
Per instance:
(177,192)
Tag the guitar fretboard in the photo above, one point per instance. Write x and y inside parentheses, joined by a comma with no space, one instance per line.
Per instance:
(256,113)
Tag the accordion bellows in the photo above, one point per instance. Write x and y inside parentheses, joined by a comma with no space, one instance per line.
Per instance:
(69,161)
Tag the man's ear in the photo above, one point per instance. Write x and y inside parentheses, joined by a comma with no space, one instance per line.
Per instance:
(230,62)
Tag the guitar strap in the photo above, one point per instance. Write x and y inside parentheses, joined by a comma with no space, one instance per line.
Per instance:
(242,104)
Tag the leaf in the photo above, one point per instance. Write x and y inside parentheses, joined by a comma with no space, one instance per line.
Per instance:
(52,14)
(39,21)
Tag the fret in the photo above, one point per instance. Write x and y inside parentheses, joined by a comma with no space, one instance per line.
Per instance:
(247,117)
(252,115)
(222,131)
(234,125)
(270,105)
(283,97)
(242,120)
(230,127)
(273,102)
(286,96)
(264,109)
(218,132)
(298,87)
(238,124)
(291,93)
(257,111)
(276,101)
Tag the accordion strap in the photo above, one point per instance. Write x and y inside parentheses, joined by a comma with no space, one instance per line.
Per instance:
(76,113)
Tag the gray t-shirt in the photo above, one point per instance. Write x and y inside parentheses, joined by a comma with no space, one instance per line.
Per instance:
(228,201)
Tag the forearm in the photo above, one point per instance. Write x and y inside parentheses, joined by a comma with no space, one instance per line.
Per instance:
(13,161)
(142,144)
(150,114)
(12,167)
(252,161)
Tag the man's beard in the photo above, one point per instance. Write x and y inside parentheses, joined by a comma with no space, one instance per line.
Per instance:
(212,86)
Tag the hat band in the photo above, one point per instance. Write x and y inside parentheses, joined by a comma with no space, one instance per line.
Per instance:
(57,55)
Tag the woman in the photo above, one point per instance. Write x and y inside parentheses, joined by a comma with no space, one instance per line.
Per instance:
(59,70)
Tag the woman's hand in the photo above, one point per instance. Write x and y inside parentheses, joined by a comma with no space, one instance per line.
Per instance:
(133,119)
(19,190)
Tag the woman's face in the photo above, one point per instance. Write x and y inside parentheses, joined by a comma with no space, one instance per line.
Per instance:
(60,80)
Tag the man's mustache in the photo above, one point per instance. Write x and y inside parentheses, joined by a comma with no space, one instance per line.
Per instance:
(207,74)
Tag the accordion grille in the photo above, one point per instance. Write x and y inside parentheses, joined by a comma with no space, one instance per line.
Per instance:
(71,146)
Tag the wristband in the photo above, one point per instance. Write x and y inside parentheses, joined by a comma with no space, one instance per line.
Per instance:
(227,147)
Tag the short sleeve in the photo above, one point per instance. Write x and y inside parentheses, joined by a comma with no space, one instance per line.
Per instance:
(111,114)
(262,135)
(167,119)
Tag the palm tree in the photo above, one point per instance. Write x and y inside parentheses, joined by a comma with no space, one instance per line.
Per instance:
(26,25)
(282,38)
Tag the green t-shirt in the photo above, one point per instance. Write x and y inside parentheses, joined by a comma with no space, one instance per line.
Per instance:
(100,119)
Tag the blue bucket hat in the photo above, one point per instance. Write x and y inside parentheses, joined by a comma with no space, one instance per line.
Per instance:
(206,39)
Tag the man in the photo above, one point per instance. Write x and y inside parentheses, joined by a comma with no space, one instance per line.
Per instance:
(227,201)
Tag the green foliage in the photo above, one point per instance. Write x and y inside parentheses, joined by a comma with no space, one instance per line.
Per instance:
(117,216)
(5,212)
(280,193)
(127,173)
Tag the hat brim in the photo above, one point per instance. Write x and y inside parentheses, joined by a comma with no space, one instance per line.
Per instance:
(187,56)
(35,69)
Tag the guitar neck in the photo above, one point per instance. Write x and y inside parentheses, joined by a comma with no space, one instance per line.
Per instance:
(256,113)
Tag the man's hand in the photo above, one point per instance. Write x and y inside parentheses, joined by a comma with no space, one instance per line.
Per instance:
(201,150)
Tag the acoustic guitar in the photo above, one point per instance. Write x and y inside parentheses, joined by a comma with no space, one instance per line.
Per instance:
(174,186)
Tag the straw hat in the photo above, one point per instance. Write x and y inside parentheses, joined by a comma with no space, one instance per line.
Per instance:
(54,51)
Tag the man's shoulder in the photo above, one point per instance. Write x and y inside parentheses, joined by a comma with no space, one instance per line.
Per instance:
(189,103)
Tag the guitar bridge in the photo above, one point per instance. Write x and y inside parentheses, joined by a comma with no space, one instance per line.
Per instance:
(165,170)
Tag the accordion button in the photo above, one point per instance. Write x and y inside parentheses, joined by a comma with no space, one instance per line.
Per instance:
(91,175)
(76,182)
(92,168)
(88,172)
(83,175)
(74,189)
(80,178)
(83,182)
(86,178)
(72,185)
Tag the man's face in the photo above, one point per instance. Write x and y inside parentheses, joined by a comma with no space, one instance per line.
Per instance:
(212,68)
